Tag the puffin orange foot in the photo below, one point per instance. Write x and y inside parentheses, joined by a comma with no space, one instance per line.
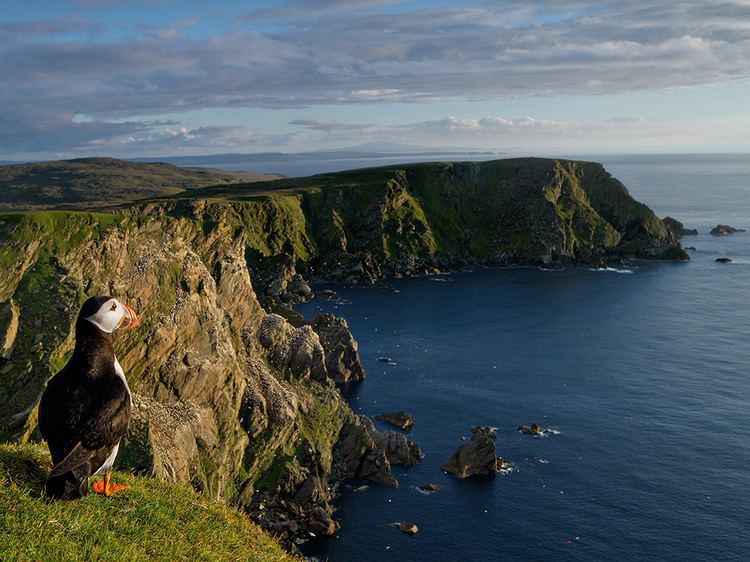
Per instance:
(107,489)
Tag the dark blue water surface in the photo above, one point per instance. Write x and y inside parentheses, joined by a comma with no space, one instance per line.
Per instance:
(644,371)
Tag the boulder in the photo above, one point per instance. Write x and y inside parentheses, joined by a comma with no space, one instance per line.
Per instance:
(724,260)
(408,528)
(532,430)
(476,457)
(401,420)
(429,488)
(721,229)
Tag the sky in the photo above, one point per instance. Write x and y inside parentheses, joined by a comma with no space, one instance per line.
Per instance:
(188,77)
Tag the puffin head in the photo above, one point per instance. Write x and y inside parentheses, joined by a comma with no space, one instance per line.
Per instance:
(108,314)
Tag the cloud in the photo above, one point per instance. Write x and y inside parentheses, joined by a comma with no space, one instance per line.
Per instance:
(24,30)
(372,52)
(327,126)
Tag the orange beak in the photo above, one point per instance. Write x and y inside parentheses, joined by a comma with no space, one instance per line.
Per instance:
(131,319)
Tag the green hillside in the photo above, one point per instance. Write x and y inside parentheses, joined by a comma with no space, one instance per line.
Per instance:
(151,520)
(97,182)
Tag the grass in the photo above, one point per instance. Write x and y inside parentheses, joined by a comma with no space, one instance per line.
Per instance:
(151,520)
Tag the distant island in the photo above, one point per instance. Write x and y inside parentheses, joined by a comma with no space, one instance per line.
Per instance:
(234,391)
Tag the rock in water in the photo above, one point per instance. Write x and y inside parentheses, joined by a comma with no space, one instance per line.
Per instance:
(721,229)
(532,430)
(408,528)
(398,449)
(677,228)
(476,457)
(724,260)
(328,294)
(402,420)
(429,488)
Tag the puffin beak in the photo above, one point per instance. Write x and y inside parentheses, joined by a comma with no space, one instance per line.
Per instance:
(131,319)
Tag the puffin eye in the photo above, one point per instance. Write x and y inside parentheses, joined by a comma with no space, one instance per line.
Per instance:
(114,306)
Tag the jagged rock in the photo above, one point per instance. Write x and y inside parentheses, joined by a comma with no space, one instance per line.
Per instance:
(476,457)
(429,488)
(677,228)
(402,420)
(357,456)
(396,446)
(297,350)
(408,528)
(341,350)
(167,441)
(721,229)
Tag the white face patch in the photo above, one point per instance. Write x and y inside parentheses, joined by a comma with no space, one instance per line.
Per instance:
(109,317)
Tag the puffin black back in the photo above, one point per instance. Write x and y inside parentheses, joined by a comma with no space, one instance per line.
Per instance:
(85,409)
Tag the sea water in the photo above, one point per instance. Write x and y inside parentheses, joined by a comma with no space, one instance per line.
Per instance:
(643,370)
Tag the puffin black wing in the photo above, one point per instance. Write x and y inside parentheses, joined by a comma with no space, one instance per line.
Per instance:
(101,431)
(82,419)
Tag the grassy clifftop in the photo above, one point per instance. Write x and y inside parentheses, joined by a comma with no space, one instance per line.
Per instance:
(151,520)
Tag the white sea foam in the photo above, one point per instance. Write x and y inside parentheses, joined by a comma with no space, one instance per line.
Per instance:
(612,270)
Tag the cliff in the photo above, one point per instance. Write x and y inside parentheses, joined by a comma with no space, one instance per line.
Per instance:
(235,399)
(359,226)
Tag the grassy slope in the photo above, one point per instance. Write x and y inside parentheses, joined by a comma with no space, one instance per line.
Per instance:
(151,520)
(96,182)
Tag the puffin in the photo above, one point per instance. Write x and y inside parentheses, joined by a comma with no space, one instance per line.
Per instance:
(85,409)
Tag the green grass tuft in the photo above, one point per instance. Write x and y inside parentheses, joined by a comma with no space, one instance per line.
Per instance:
(151,520)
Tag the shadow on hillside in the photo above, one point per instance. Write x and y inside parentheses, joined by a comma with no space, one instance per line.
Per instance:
(25,466)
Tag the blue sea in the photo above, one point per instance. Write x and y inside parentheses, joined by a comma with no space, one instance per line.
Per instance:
(644,371)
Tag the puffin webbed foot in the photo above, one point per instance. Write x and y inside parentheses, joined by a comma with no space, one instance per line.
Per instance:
(106,488)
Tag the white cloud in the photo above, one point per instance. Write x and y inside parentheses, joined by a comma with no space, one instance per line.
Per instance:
(361,53)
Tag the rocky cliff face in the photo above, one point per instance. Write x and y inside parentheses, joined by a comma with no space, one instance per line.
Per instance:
(235,400)
(359,226)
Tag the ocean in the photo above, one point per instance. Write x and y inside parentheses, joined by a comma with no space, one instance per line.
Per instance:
(643,370)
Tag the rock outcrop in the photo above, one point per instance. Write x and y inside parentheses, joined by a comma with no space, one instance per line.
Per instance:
(677,228)
(408,528)
(356,455)
(401,420)
(397,447)
(477,457)
(532,430)
(721,229)
(341,350)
